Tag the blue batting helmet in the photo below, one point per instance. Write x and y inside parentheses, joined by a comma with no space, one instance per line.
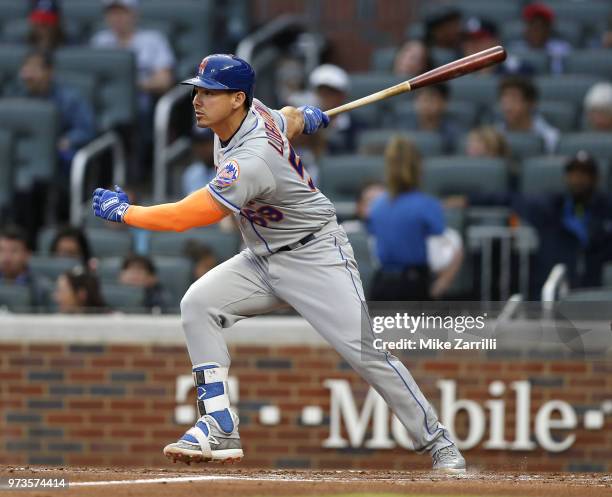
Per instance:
(225,72)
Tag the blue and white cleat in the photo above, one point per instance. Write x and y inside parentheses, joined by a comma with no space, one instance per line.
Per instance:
(448,460)
(207,442)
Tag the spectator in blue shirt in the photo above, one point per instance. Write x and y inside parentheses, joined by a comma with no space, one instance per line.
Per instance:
(76,115)
(401,220)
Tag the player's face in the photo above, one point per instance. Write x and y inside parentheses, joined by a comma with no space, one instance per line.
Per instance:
(213,106)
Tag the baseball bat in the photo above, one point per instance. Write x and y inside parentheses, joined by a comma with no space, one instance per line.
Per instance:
(448,71)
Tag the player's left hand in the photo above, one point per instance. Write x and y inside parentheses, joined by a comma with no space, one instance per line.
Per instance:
(110,205)
(314,119)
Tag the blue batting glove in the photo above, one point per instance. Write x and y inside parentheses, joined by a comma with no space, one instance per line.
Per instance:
(314,119)
(110,205)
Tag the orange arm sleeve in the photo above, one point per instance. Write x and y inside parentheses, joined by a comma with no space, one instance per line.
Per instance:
(197,209)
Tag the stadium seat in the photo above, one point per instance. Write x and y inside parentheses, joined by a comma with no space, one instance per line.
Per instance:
(123,298)
(598,144)
(561,115)
(175,275)
(34,124)
(11,58)
(382,59)
(607,274)
(524,144)
(11,11)
(6,167)
(114,73)
(85,16)
(565,88)
(603,294)
(441,56)
(463,113)
(595,61)
(190,29)
(498,12)
(481,88)
(108,269)
(463,175)
(374,142)
(84,83)
(545,174)
(363,84)
(51,267)
(512,30)
(581,12)
(224,245)
(15,298)
(342,176)
(109,242)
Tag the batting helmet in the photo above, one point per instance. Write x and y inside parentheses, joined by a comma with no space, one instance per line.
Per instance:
(225,72)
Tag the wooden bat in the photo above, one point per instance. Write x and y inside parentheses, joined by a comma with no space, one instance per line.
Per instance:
(448,71)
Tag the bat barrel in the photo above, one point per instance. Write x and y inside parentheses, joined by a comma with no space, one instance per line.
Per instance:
(459,67)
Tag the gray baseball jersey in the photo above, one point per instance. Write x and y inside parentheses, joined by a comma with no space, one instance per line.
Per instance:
(262,179)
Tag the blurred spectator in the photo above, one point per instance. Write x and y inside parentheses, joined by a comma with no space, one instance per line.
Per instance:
(538,35)
(154,56)
(139,271)
(76,115)
(331,85)
(598,107)
(14,266)
(155,69)
(70,241)
(401,220)
(486,141)
(606,36)
(46,32)
(78,292)
(574,227)
(430,104)
(481,34)
(518,98)
(290,79)
(443,29)
(411,59)
(368,192)
(202,257)
(202,168)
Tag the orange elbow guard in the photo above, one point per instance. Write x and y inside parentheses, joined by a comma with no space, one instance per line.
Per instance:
(195,210)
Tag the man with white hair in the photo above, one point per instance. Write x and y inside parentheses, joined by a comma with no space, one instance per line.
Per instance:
(598,107)
(331,85)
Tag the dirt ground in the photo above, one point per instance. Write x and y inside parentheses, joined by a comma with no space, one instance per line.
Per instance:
(229,482)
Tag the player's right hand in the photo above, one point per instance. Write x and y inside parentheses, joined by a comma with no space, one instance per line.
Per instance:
(110,205)
(314,119)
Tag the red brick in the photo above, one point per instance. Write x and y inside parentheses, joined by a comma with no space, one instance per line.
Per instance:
(133,350)
(67,362)
(46,348)
(11,375)
(64,418)
(108,362)
(106,418)
(250,350)
(86,376)
(123,432)
(140,362)
(568,367)
(149,419)
(273,392)
(85,404)
(128,404)
(26,389)
(26,361)
(11,347)
(86,432)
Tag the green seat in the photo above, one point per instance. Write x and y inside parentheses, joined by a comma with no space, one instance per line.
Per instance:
(461,112)
(538,59)
(561,115)
(589,295)
(342,176)
(175,275)
(15,298)
(224,245)
(11,11)
(123,298)
(585,13)
(51,267)
(524,144)
(11,58)
(34,127)
(543,174)
(375,141)
(495,11)
(363,84)
(114,73)
(565,88)
(607,274)
(109,268)
(463,175)
(108,242)
(6,167)
(594,61)
(85,16)
(596,143)
(84,83)
(382,59)
(480,89)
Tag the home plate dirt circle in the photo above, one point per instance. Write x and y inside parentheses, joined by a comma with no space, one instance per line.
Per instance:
(204,480)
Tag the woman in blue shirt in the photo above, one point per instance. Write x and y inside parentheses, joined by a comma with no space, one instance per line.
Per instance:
(400,220)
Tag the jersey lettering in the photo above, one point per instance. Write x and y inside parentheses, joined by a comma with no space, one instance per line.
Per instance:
(275,139)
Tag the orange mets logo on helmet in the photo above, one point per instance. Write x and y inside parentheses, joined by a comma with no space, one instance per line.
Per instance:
(227,175)
(203,65)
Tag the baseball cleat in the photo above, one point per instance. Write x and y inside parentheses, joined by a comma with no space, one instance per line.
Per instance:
(207,442)
(448,460)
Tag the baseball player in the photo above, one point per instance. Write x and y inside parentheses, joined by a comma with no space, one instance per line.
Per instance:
(296,255)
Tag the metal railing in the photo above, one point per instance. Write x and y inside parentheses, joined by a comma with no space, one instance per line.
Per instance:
(82,160)
(556,285)
(164,152)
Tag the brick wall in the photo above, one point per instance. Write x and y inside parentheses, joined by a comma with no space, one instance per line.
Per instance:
(114,404)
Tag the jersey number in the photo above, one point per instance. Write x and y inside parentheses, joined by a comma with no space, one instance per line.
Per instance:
(296,163)
(263,214)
